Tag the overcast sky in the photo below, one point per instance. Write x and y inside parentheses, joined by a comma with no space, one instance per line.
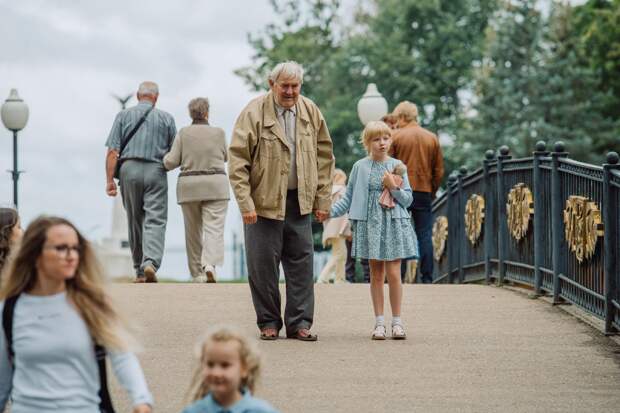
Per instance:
(67,57)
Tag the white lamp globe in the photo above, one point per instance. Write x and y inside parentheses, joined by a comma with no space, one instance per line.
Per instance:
(14,112)
(372,106)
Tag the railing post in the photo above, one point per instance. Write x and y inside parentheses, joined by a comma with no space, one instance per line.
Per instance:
(461,217)
(539,220)
(610,215)
(489,211)
(453,227)
(502,244)
(557,228)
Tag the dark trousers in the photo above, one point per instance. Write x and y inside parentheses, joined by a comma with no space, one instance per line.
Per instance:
(350,266)
(422,216)
(268,243)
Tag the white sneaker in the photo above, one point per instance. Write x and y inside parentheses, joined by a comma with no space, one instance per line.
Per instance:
(379,333)
(398,332)
(200,279)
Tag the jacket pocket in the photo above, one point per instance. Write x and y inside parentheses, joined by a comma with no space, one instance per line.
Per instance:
(265,185)
(269,147)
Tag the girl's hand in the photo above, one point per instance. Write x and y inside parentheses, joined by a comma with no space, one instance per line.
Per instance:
(388,181)
(142,408)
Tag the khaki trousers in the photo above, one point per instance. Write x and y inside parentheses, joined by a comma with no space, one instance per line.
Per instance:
(336,263)
(204,233)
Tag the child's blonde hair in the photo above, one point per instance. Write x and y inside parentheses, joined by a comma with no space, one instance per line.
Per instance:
(249,355)
(372,130)
(339,177)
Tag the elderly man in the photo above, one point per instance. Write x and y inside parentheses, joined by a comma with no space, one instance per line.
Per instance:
(419,150)
(139,139)
(280,169)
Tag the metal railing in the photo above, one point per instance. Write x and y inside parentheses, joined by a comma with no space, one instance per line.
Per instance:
(546,221)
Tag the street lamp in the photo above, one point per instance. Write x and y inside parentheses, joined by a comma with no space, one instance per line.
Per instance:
(372,106)
(14,117)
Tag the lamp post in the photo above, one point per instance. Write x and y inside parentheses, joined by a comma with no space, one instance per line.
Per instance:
(371,106)
(14,117)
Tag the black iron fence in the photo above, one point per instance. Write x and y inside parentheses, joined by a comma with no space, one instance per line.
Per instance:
(546,221)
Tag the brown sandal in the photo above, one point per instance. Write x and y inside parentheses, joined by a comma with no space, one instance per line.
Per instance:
(303,337)
(269,334)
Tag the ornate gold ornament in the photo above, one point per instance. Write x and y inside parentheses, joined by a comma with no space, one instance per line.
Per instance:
(440,236)
(519,208)
(474,216)
(582,226)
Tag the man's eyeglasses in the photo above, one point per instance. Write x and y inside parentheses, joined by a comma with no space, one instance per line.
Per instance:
(64,249)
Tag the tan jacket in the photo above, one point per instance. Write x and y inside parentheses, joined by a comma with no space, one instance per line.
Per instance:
(419,150)
(260,159)
(200,151)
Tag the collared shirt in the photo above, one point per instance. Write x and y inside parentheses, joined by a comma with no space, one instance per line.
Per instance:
(152,141)
(247,404)
(287,119)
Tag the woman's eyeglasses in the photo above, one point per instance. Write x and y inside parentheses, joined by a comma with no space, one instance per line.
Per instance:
(65,250)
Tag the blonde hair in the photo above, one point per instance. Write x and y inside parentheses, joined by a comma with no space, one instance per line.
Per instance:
(85,290)
(372,130)
(249,355)
(407,111)
(339,177)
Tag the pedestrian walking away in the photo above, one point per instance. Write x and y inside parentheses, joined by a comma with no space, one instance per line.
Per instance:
(138,141)
(202,190)
(420,151)
(280,170)
(59,326)
(383,235)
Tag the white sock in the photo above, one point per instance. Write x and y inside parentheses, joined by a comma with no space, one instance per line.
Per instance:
(380,320)
(396,321)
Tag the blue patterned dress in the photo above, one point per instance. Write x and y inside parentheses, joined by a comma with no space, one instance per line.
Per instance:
(382,237)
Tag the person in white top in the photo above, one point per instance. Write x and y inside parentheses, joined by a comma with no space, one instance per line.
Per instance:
(336,231)
(60,312)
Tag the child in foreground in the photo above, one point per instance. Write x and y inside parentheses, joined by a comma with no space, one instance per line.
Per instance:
(382,235)
(226,377)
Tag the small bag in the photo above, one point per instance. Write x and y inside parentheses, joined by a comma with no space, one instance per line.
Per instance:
(386,200)
(119,162)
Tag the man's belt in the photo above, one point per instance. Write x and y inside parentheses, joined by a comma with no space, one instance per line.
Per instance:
(213,171)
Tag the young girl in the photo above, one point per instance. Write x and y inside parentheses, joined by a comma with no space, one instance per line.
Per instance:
(60,323)
(10,233)
(335,233)
(227,375)
(382,235)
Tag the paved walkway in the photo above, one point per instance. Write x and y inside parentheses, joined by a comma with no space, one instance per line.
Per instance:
(471,348)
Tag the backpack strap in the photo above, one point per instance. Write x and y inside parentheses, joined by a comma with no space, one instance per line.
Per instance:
(7,325)
(105,406)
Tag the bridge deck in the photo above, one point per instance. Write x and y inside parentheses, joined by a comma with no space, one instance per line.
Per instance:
(471,348)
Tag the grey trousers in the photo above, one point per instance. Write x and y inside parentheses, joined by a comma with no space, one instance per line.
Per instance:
(144,188)
(269,242)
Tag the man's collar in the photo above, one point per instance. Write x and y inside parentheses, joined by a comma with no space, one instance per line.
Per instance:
(200,122)
(280,110)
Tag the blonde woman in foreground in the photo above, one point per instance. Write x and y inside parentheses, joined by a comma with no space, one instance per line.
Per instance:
(226,376)
(58,323)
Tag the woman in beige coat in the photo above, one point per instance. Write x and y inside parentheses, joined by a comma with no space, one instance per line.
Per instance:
(202,190)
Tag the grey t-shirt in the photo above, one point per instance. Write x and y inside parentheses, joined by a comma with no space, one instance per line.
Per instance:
(55,365)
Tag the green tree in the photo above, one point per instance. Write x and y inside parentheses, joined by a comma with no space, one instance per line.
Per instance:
(507,91)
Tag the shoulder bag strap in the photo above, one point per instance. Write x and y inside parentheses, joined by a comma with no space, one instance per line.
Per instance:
(105,405)
(7,325)
(134,130)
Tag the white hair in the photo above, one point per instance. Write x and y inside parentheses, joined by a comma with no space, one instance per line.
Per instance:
(289,70)
(148,89)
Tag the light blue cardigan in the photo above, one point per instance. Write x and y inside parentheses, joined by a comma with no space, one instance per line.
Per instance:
(355,200)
